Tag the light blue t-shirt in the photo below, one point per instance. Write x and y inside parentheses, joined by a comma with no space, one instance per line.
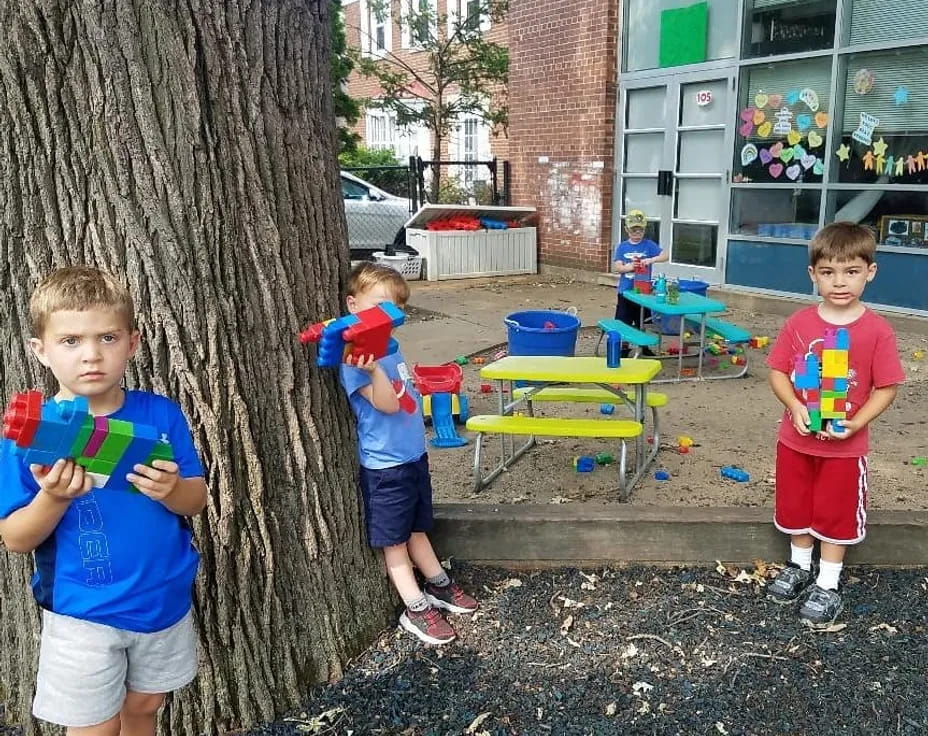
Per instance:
(627,252)
(117,557)
(386,440)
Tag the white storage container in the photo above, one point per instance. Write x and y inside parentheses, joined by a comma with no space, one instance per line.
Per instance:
(460,254)
(409,266)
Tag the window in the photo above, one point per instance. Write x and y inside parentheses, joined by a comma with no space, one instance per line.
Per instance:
(419,22)
(376,28)
(775,213)
(782,122)
(467,15)
(884,137)
(897,218)
(788,26)
(874,21)
(353,190)
(380,130)
(666,33)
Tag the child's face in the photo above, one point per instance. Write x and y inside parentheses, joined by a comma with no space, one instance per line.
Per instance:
(377,294)
(635,234)
(87,351)
(841,283)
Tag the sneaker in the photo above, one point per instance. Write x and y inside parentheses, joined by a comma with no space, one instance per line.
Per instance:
(428,626)
(821,608)
(789,583)
(450,598)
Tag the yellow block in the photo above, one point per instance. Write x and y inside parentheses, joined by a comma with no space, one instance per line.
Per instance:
(834,364)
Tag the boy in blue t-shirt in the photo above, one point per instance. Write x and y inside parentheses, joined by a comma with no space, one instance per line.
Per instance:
(114,569)
(636,248)
(395,483)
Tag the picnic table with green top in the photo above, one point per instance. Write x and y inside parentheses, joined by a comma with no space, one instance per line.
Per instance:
(688,307)
(560,378)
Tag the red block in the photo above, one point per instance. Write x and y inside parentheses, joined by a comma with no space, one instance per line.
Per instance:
(22,417)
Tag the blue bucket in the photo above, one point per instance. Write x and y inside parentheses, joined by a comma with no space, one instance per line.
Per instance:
(670,324)
(529,335)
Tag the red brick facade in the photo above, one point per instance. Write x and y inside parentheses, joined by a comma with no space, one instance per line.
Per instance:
(562,96)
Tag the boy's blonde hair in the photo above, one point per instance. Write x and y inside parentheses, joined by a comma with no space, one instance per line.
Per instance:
(365,276)
(79,288)
(842,242)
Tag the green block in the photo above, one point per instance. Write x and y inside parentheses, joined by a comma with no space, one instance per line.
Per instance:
(119,435)
(95,465)
(83,437)
(161,451)
(815,421)
(684,35)
(834,394)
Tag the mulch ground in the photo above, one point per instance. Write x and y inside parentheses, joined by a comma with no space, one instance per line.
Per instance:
(642,651)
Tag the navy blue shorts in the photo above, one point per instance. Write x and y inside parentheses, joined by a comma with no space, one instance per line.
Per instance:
(397,502)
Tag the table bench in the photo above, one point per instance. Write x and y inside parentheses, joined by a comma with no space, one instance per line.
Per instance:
(726,331)
(632,335)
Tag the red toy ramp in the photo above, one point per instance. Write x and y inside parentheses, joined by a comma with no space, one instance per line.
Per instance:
(437,379)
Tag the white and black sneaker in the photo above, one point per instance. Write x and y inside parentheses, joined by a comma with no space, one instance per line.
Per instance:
(821,608)
(789,583)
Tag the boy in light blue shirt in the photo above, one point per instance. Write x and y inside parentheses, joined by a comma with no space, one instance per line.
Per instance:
(114,569)
(395,483)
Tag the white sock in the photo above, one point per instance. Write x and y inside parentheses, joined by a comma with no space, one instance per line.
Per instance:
(828,574)
(801,556)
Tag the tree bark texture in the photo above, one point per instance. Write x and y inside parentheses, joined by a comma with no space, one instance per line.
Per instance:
(190,145)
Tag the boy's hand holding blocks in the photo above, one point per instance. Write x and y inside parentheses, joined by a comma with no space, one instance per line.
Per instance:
(357,335)
(45,431)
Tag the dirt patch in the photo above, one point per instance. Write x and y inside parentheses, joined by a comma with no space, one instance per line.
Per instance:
(731,422)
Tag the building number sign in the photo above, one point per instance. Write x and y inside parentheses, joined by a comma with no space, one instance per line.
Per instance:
(704,97)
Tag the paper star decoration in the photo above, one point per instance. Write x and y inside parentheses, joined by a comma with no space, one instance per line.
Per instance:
(902,95)
(879,148)
(844,152)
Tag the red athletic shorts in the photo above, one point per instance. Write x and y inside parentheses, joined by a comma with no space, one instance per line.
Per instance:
(822,496)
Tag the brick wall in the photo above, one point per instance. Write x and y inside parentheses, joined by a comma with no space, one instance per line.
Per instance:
(360,87)
(562,96)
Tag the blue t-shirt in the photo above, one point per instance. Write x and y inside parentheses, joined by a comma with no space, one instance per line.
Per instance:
(627,252)
(386,440)
(116,558)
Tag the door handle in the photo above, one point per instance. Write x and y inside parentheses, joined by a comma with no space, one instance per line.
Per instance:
(664,183)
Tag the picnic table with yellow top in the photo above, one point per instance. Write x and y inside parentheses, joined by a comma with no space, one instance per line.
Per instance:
(547,375)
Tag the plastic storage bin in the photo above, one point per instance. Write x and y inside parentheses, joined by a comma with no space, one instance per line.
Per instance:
(409,266)
(542,332)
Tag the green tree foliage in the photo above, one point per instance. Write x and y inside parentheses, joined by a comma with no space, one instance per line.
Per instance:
(347,109)
(461,72)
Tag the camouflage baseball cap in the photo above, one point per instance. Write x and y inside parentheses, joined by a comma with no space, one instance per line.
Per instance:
(635,218)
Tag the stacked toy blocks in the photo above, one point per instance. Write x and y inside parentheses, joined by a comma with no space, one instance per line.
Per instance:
(824,383)
(358,335)
(108,449)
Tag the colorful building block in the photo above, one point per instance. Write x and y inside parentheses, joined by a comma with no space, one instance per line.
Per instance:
(823,383)
(357,335)
(107,449)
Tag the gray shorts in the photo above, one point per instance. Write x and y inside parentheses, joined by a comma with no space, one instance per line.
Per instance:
(85,669)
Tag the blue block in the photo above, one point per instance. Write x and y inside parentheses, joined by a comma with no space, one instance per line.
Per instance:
(809,381)
(606,409)
(60,425)
(842,339)
(841,385)
(585,464)
(138,451)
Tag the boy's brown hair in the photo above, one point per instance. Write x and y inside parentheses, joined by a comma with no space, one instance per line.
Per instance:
(79,288)
(366,276)
(842,242)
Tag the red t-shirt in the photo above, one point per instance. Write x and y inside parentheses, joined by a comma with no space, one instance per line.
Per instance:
(873,362)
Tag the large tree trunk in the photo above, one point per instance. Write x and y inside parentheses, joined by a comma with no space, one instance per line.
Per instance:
(191,146)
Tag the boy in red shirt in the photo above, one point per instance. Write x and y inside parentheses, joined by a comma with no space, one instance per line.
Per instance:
(821,477)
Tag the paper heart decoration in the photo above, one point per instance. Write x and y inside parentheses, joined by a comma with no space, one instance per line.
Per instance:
(759,117)
(810,97)
(799,151)
(793,137)
(764,130)
(747,114)
(808,161)
(786,155)
(815,140)
(765,157)
(776,149)
(793,172)
(804,121)
(821,119)
(819,168)
(746,129)
(792,97)
(775,170)
(760,100)
(775,101)
(748,154)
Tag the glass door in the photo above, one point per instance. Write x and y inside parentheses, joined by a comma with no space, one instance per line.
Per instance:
(675,167)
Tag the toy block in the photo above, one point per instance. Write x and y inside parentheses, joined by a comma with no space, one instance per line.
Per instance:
(828,384)
(813,406)
(815,421)
(161,451)
(22,417)
(137,453)
(83,437)
(361,334)
(841,385)
(805,372)
(119,436)
(834,363)
(828,405)
(97,436)
(842,339)
(812,396)
(833,394)
(60,425)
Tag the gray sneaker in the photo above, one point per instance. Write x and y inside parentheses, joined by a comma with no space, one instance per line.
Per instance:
(789,583)
(821,608)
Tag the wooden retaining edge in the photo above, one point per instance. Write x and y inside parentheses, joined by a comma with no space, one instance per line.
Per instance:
(535,536)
